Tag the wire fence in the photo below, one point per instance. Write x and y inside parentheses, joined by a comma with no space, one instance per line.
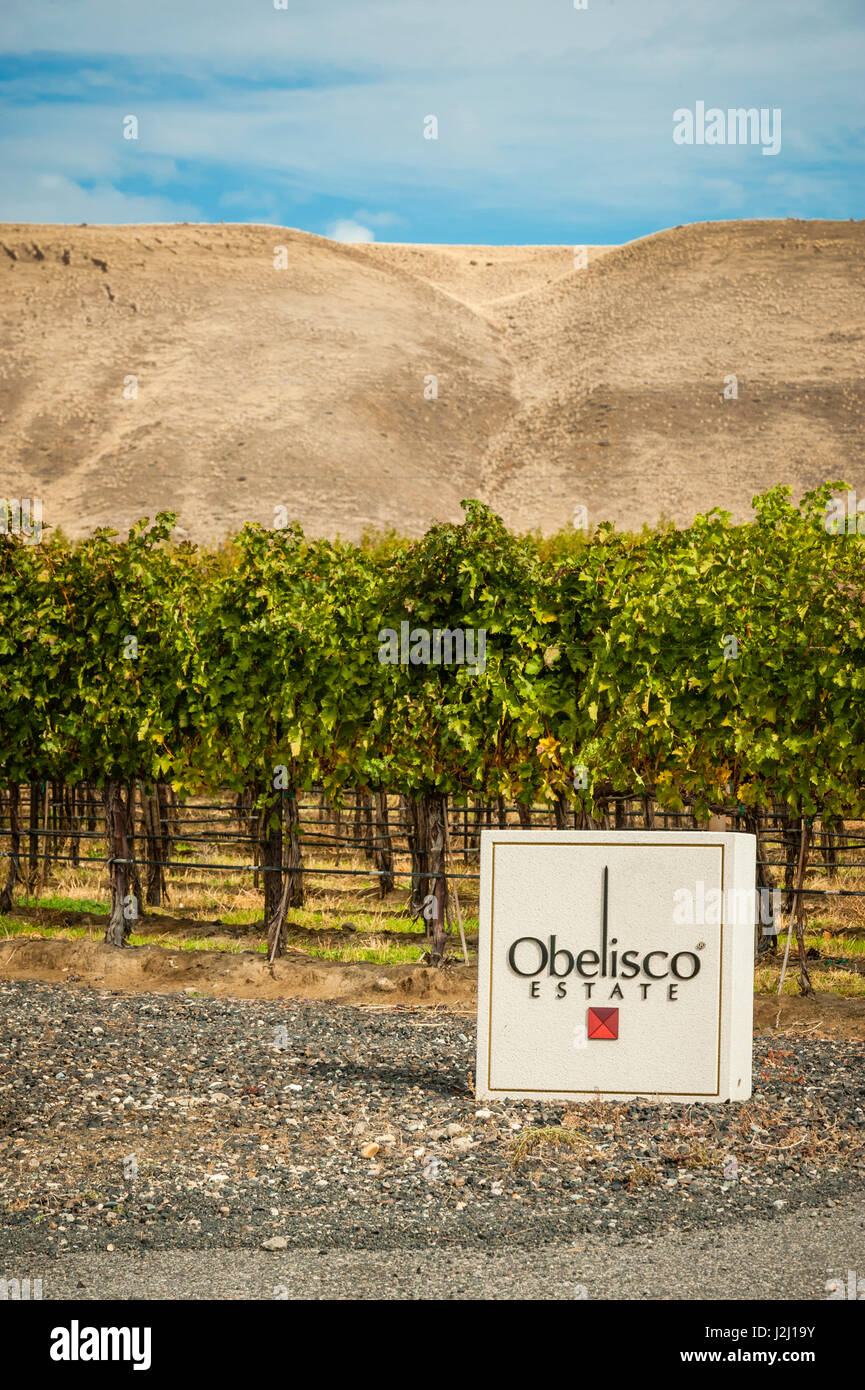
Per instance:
(464,825)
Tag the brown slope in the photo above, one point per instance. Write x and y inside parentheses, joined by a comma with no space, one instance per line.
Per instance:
(486,278)
(304,386)
(621,372)
(257,387)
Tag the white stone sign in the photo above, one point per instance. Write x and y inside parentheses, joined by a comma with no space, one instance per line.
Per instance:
(616,964)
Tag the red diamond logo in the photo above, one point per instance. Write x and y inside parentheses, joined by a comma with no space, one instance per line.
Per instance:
(603,1024)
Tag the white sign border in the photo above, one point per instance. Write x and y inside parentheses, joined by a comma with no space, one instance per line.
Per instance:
(731,845)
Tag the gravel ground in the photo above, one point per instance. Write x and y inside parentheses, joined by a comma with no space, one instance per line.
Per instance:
(789,1257)
(792,1256)
(174,1123)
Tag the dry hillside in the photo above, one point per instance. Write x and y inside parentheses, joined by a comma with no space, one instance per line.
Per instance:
(304,386)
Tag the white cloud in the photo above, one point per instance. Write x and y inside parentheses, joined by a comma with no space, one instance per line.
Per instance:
(346,229)
(729,196)
(448,36)
(566,112)
(377,219)
(54,198)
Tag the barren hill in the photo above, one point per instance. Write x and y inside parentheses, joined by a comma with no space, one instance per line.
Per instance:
(180,367)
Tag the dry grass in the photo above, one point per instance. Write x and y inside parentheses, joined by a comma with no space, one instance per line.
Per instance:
(378,950)
(640,1175)
(531,1140)
(830,979)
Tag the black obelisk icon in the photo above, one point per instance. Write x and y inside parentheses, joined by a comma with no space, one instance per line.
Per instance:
(604,922)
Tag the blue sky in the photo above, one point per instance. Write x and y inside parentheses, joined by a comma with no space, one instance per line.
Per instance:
(554,124)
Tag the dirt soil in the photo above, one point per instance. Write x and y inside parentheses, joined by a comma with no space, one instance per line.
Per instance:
(176,367)
(243,975)
(248,975)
